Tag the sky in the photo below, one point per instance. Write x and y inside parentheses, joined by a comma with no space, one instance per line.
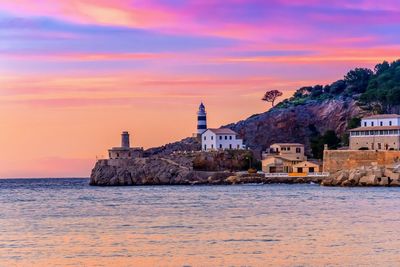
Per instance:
(75,74)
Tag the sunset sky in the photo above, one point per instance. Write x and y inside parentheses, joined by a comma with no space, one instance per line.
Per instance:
(74,74)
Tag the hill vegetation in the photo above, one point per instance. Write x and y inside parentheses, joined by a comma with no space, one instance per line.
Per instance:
(375,90)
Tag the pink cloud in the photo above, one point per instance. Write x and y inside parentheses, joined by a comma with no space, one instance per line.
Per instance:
(83,56)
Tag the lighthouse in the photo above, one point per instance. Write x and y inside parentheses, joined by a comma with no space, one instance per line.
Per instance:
(201,119)
(125,140)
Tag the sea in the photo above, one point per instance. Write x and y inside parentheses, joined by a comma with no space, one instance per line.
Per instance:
(66,222)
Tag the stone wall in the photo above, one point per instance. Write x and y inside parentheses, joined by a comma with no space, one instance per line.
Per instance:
(336,160)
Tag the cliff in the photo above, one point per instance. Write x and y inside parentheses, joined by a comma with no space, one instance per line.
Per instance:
(297,123)
(172,169)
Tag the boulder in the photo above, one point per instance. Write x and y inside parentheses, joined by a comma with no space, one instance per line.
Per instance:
(394,182)
(384,181)
(368,180)
(327,181)
(348,183)
(232,179)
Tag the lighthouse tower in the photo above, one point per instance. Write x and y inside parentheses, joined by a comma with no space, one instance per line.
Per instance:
(125,140)
(201,119)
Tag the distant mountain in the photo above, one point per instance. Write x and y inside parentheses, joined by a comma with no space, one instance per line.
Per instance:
(314,110)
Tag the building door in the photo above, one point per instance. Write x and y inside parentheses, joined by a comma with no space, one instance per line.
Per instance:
(230,146)
(311,169)
(272,169)
(300,170)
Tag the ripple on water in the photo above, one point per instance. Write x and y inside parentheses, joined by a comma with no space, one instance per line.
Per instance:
(68,223)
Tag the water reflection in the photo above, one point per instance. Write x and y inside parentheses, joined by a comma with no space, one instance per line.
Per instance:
(63,222)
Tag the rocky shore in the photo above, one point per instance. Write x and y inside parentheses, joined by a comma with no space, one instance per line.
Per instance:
(165,171)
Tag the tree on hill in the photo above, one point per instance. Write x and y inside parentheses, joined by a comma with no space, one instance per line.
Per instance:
(357,80)
(271,96)
(383,91)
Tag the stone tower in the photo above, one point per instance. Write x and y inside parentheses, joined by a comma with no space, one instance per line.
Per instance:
(125,140)
(201,119)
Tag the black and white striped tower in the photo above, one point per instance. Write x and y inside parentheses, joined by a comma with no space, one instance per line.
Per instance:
(201,119)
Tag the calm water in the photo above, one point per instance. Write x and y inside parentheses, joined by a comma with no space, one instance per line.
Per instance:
(65,222)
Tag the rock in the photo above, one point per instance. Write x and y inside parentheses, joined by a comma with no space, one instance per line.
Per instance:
(299,180)
(383,181)
(348,183)
(368,180)
(293,124)
(327,181)
(395,182)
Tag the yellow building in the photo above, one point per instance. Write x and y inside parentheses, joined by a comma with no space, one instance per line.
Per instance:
(307,167)
(281,157)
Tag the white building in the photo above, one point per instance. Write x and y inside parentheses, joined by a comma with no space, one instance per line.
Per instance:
(377,132)
(219,139)
(381,120)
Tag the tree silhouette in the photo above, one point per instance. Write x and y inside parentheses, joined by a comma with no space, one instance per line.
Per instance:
(270,96)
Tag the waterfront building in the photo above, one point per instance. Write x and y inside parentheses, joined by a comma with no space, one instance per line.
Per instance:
(377,132)
(201,119)
(125,151)
(308,166)
(282,157)
(220,139)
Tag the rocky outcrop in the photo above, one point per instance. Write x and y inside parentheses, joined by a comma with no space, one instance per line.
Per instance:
(365,176)
(233,160)
(174,169)
(187,144)
(297,123)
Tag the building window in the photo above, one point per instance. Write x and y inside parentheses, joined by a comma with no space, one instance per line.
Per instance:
(230,146)
(205,137)
(288,149)
(238,147)
(298,150)
(220,137)
(212,146)
(390,123)
(230,137)
(205,147)
(365,124)
(381,123)
(212,137)
(220,145)
(372,123)
(226,137)
(117,155)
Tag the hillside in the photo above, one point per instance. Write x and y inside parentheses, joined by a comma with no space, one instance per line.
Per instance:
(297,124)
(316,113)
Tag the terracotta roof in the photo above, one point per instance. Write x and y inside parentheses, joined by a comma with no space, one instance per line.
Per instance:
(222,131)
(382,116)
(376,128)
(287,144)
